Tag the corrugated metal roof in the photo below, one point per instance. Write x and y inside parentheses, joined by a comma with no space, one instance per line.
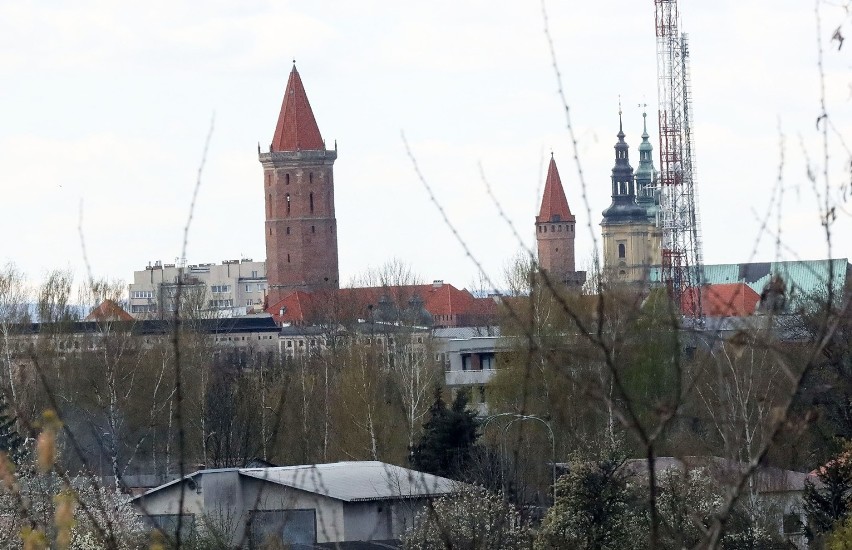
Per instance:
(356,481)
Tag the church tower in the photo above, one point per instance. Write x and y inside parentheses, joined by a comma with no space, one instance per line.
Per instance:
(555,231)
(628,233)
(298,183)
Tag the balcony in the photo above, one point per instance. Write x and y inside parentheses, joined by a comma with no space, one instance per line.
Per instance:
(468,377)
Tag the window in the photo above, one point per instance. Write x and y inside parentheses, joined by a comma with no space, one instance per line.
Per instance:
(141,294)
(288,258)
(269,205)
(220,289)
(288,230)
(310,177)
(311,202)
(288,202)
(313,229)
(254,274)
(217,304)
(282,527)
(622,253)
(287,179)
(249,288)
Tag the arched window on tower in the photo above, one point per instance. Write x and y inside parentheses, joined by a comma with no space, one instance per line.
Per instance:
(311,201)
(288,203)
(621,251)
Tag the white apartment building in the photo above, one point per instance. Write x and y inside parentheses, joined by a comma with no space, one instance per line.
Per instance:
(233,287)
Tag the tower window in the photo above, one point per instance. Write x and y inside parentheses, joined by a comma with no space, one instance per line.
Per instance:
(288,202)
(269,206)
(621,250)
(311,200)
(270,231)
(310,177)
(313,229)
(288,230)
(288,258)
(545,229)
(287,179)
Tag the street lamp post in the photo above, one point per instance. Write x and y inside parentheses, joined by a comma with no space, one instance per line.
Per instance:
(517,418)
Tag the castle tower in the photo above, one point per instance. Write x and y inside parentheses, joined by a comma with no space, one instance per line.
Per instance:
(298,183)
(555,230)
(628,234)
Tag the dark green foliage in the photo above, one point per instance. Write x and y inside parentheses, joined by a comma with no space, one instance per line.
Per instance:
(448,443)
(827,505)
(11,441)
(595,509)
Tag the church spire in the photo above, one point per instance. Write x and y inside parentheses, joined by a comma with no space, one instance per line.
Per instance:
(623,205)
(646,174)
(554,205)
(297,128)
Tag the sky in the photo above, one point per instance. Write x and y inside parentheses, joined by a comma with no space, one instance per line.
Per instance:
(104,109)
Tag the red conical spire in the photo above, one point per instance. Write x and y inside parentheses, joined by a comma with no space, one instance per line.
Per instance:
(297,128)
(554,205)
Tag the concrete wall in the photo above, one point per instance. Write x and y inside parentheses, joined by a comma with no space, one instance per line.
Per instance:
(261,495)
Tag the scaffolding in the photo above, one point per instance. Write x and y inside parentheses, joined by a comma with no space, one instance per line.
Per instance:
(682,261)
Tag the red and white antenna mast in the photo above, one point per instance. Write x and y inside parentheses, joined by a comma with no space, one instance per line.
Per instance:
(682,260)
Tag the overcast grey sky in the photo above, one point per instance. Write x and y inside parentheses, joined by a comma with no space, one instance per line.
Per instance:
(107,103)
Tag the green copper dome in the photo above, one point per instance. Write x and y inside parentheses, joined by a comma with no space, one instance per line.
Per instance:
(646,174)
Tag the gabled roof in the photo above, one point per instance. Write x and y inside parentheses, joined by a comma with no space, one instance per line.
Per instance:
(347,481)
(357,481)
(554,205)
(297,128)
(108,310)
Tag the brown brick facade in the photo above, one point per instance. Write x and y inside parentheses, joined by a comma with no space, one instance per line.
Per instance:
(298,183)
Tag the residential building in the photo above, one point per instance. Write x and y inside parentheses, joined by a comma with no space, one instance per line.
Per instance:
(233,287)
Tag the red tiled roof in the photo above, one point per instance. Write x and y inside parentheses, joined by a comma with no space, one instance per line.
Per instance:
(297,128)
(724,300)
(108,310)
(554,203)
(443,301)
(292,308)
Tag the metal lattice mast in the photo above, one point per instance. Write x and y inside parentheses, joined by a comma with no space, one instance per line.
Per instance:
(679,219)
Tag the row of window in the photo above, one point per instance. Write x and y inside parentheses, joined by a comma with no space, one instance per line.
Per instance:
(287,178)
(142,294)
(221,303)
(220,289)
(556,228)
(243,338)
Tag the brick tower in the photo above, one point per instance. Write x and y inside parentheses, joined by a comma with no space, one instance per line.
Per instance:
(298,183)
(555,230)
